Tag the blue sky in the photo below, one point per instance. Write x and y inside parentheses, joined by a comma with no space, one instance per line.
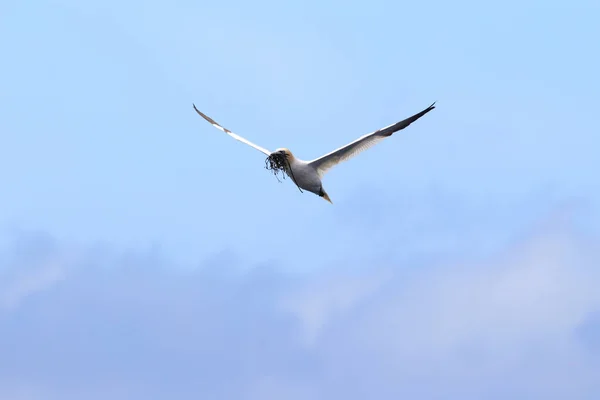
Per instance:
(104,164)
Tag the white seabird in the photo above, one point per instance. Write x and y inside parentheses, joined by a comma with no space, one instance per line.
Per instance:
(307,175)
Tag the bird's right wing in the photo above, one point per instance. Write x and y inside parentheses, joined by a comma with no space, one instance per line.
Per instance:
(233,135)
(329,160)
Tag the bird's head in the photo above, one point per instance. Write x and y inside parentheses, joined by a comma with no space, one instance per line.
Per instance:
(284,152)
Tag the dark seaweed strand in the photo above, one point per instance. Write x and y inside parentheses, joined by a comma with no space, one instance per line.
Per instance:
(277,163)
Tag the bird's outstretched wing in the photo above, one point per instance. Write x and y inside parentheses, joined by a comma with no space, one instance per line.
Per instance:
(329,160)
(233,135)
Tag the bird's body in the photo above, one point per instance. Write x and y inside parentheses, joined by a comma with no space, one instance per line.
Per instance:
(304,175)
(308,175)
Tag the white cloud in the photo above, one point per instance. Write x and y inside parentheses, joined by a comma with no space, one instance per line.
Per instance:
(30,277)
(509,326)
(327,298)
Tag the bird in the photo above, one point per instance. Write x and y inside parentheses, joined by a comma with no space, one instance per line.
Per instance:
(308,175)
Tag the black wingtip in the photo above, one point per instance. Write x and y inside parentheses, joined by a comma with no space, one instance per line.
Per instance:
(198,111)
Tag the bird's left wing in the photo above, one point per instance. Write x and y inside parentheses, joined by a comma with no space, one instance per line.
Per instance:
(329,160)
(233,135)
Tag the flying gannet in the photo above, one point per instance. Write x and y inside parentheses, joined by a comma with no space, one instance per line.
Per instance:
(307,175)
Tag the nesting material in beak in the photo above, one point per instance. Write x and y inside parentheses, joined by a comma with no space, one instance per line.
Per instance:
(277,162)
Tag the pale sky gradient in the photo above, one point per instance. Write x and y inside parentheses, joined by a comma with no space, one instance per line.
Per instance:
(440,267)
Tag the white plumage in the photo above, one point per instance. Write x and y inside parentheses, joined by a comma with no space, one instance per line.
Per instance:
(308,174)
